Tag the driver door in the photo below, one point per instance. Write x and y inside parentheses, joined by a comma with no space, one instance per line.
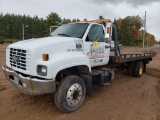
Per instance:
(95,48)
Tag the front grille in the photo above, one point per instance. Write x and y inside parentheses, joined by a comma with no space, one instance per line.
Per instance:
(18,58)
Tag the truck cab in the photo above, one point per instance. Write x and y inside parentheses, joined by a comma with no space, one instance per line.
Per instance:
(91,40)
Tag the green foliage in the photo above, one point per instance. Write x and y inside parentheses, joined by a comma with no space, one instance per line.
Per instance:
(135,22)
(66,21)
(34,27)
(129,32)
(53,19)
(11,25)
(78,20)
(125,32)
(74,20)
(85,19)
(101,17)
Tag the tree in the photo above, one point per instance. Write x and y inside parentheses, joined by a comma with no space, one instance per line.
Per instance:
(126,33)
(101,17)
(85,19)
(11,27)
(74,20)
(53,19)
(78,20)
(119,22)
(135,23)
(3,28)
(150,38)
(66,21)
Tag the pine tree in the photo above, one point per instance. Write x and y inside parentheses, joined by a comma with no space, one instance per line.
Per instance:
(53,19)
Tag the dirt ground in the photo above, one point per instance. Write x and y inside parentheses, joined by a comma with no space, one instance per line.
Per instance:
(127,98)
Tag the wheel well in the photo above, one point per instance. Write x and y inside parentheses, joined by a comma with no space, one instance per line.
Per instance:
(75,70)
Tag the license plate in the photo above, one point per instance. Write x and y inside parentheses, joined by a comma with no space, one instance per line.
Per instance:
(16,80)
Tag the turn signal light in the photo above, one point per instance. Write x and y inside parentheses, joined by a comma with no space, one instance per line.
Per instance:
(45,57)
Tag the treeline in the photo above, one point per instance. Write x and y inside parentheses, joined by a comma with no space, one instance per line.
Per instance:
(11,26)
(130,31)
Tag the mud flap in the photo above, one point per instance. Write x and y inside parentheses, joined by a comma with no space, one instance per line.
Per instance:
(88,82)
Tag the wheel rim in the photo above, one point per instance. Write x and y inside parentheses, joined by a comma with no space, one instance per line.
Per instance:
(141,70)
(74,94)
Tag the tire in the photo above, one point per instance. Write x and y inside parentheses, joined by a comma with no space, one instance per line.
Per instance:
(131,68)
(70,94)
(144,69)
(138,69)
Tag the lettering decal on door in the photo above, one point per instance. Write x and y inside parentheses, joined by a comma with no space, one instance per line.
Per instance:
(98,60)
(96,52)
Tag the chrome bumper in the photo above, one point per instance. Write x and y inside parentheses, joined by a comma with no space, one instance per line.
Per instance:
(27,85)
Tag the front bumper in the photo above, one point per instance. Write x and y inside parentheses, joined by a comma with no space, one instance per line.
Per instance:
(28,85)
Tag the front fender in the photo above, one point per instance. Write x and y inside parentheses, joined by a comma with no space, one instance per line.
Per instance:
(68,61)
(62,61)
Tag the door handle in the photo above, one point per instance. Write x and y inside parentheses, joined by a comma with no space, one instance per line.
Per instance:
(106,46)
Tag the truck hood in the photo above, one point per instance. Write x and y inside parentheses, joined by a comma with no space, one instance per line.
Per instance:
(42,42)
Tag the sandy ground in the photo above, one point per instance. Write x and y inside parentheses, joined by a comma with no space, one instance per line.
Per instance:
(128,98)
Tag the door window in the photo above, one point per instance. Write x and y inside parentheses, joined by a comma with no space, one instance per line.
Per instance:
(96,33)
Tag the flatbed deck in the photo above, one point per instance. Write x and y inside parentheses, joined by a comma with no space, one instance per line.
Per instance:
(128,57)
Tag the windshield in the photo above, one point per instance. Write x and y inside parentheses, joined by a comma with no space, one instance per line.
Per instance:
(71,30)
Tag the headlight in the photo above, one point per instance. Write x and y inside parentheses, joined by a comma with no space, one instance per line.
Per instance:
(42,70)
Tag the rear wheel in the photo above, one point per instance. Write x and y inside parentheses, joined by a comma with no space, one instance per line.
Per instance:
(70,94)
(131,68)
(138,69)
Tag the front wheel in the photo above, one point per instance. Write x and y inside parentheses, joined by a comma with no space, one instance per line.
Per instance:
(70,93)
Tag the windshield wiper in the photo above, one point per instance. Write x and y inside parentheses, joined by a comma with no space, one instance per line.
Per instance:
(64,35)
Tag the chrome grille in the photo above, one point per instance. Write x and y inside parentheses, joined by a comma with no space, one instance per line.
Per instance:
(18,58)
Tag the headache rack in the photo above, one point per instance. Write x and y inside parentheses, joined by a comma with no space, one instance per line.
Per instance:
(98,21)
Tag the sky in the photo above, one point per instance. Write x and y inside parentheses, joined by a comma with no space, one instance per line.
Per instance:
(89,9)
